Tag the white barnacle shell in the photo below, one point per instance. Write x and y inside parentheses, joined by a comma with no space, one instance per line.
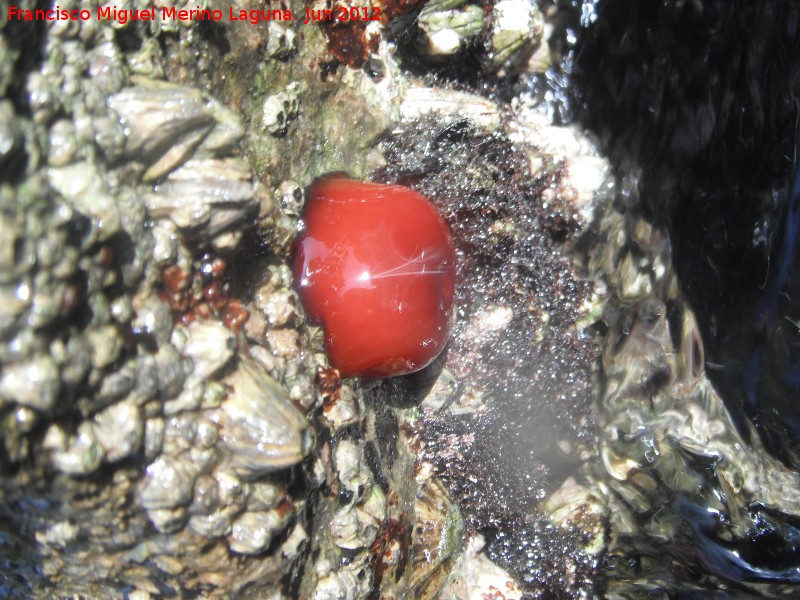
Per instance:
(574,506)
(259,424)
(76,454)
(212,194)
(59,534)
(588,181)
(343,410)
(163,123)
(351,466)
(253,531)
(282,41)
(84,190)
(445,27)
(341,584)
(32,383)
(119,429)
(450,106)
(357,526)
(275,113)
(168,484)
(292,197)
(438,538)
(210,345)
(475,576)
(281,108)
(633,281)
(517,27)
(63,143)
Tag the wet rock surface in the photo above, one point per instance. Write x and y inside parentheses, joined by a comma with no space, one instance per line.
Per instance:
(170,427)
(714,141)
(717,438)
(518,302)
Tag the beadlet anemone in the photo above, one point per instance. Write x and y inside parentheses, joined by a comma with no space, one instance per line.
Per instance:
(375,266)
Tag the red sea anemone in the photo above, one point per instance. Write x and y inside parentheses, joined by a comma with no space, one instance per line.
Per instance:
(375,266)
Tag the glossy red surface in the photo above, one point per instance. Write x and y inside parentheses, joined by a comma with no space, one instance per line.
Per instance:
(375,266)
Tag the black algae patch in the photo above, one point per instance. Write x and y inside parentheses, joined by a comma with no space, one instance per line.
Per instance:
(514,344)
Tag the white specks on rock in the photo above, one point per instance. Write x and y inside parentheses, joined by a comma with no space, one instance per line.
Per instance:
(60,534)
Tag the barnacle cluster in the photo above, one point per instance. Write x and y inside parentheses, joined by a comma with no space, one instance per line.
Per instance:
(141,419)
(504,40)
